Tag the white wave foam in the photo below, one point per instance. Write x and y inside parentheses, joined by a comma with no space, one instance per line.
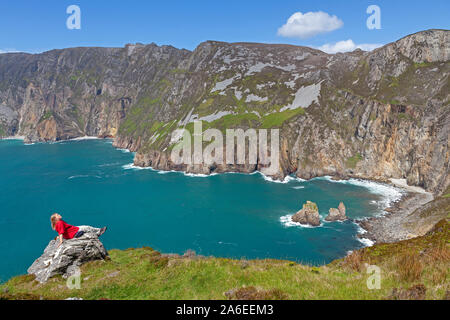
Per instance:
(298,188)
(83,176)
(52,142)
(165,172)
(241,173)
(389,194)
(366,242)
(124,150)
(192,175)
(129,166)
(132,166)
(360,229)
(287,222)
(325,222)
(198,175)
(14,138)
(84,138)
(287,179)
(74,140)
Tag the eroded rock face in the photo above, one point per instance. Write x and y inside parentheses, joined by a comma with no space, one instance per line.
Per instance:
(337,214)
(342,209)
(309,215)
(9,118)
(72,253)
(371,115)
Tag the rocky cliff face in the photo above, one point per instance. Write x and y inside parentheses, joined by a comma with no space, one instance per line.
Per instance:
(380,114)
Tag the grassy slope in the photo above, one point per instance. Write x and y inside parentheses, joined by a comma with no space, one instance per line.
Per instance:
(146,274)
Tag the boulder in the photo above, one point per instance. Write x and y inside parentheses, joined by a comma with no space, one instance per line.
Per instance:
(337,214)
(64,259)
(309,215)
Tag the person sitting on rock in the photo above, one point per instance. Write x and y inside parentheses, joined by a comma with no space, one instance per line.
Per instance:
(68,232)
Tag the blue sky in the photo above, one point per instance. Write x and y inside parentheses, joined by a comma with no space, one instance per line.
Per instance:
(36,26)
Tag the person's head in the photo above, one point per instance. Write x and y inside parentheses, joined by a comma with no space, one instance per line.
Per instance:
(54,219)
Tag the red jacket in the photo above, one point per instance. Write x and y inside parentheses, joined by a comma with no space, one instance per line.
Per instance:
(66,230)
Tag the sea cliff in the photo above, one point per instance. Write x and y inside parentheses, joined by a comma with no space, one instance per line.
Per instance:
(373,115)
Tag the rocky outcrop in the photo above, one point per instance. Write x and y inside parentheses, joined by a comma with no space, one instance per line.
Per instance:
(414,216)
(342,209)
(377,115)
(337,214)
(427,46)
(61,260)
(309,215)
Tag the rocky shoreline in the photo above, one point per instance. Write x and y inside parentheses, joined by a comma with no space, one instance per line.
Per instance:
(395,225)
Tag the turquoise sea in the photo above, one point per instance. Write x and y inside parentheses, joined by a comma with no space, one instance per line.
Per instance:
(230,215)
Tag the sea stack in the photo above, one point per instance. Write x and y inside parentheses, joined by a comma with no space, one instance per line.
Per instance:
(309,215)
(337,214)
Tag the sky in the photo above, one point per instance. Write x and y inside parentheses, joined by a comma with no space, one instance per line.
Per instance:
(331,25)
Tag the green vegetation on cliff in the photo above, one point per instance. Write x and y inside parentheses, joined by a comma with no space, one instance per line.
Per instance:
(47,115)
(353,161)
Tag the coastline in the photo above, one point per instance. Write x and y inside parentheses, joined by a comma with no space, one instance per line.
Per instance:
(22,138)
(393,226)
(387,227)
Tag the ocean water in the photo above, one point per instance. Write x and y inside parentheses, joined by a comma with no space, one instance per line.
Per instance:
(229,215)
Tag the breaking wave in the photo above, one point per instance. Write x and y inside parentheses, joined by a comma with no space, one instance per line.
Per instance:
(288,223)
(388,193)
(287,179)
(83,176)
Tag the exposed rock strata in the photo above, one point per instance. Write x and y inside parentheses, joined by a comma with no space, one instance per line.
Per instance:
(378,115)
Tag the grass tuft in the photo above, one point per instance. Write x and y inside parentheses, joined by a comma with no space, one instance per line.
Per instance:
(410,267)
(354,261)
(252,293)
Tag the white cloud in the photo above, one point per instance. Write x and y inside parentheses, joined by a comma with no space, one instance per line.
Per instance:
(347,46)
(310,24)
